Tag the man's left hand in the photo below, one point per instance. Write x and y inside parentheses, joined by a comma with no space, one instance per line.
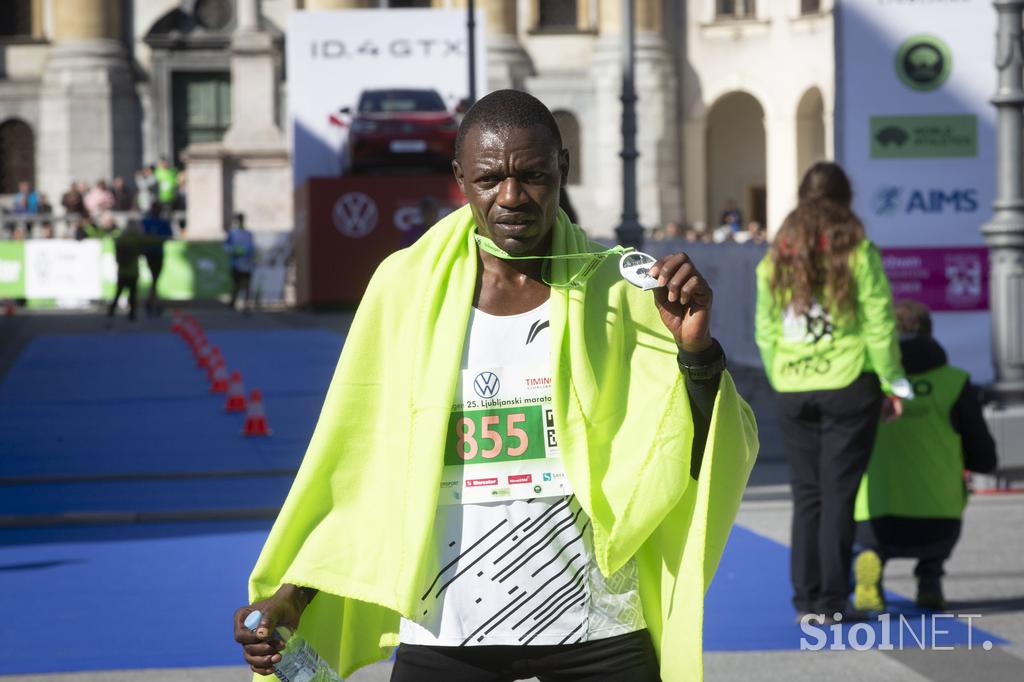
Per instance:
(684,301)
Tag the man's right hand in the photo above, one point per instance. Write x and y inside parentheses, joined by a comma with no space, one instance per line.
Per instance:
(261,648)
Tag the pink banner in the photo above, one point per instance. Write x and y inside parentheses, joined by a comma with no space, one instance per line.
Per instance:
(951,278)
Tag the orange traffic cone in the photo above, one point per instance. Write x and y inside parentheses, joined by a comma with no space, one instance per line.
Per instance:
(236,394)
(255,418)
(219,380)
(203,354)
(216,360)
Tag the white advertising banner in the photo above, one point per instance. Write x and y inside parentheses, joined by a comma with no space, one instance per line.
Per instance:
(63,270)
(333,56)
(916,132)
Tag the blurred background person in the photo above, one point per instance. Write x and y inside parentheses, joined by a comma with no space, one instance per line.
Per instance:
(167,183)
(99,199)
(912,496)
(157,230)
(26,200)
(83,227)
(241,250)
(127,249)
(825,329)
(124,197)
(73,200)
(145,188)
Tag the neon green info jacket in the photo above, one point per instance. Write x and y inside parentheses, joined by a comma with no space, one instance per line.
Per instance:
(822,350)
(357,523)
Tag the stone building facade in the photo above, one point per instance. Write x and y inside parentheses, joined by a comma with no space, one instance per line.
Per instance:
(735,96)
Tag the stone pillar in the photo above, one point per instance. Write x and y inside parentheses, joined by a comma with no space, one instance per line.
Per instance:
(782,170)
(658,166)
(250,170)
(254,78)
(89,114)
(508,65)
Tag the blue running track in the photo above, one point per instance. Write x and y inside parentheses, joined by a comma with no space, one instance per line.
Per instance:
(100,597)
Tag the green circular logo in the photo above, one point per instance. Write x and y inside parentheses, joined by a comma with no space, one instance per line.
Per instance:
(923,62)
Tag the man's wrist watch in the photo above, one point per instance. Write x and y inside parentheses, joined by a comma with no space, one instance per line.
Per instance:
(704,365)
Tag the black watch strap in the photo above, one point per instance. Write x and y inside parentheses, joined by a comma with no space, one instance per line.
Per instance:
(702,366)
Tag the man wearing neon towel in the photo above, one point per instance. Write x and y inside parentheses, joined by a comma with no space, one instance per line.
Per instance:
(524,466)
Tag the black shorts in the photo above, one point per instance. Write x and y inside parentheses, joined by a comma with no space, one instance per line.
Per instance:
(626,658)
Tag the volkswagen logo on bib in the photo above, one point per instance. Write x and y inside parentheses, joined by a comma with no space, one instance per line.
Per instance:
(486,384)
(355,214)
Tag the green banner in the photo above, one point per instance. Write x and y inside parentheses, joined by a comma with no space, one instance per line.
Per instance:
(191,270)
(12,269)
(917,137)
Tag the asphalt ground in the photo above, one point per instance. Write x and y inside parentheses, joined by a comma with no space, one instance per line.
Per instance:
(46,563)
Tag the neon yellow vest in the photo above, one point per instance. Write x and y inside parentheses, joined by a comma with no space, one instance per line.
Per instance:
(917,465)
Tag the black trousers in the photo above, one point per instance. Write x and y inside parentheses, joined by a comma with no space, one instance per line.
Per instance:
(626,658)
(240,280)
(155,262)
(930,541)
(131,285)
(828,436)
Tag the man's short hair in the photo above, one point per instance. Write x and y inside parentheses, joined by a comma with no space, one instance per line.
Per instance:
(913,318)
(504,110)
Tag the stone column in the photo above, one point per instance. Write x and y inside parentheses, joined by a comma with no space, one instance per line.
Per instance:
(89,113)
(508,65)
(254,78)
(658,166)
(249,171)
(782,170)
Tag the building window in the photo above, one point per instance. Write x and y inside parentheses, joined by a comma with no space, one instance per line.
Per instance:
(810,6)
(559,15)
(569,129)
(202,108)
(735,9)
(16,19)
(400,4)
(17,155)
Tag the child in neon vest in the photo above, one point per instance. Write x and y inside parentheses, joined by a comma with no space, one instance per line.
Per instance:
(912,496)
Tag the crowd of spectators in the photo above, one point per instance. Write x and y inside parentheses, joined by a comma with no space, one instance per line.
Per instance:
(99,210)
(698,233)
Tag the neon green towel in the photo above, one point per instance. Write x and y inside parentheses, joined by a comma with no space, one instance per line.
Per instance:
(357,523)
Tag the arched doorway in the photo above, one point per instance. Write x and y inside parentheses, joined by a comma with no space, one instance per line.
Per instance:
(810,131)
(17,155)
(736,175)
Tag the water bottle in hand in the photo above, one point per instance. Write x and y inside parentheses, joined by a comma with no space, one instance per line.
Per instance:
(299,661)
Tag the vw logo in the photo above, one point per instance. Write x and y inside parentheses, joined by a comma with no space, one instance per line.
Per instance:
(486,384)
(355,214)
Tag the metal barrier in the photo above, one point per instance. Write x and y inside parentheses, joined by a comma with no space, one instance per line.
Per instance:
(63,225)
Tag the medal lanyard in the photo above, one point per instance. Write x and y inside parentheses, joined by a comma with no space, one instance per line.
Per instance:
(577,280)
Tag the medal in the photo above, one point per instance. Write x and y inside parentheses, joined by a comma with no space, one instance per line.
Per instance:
(635,267)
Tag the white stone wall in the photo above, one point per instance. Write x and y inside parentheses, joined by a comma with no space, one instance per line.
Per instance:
(776,57)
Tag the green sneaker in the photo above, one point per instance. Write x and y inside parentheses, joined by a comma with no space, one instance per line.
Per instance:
(867,571)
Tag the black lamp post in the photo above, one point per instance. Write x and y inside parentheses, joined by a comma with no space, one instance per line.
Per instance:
(629,232)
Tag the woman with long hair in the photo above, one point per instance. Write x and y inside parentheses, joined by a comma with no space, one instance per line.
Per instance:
(827,336)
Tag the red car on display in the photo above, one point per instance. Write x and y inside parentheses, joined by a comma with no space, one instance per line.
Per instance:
(403,128)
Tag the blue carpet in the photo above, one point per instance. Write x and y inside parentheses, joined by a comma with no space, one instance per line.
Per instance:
(748,608)
(142,603)
(162,595)
(95,404)
(87,600)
